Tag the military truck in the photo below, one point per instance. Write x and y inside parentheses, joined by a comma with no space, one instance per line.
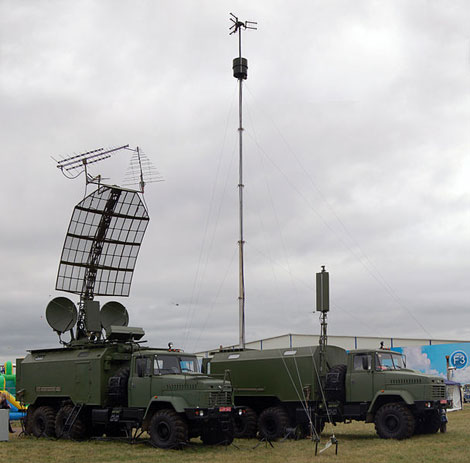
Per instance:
(115,387)
(282,389)
(302,388)
(103,381)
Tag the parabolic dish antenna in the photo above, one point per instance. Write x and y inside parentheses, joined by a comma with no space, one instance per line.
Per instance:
(61,314)
(113,313)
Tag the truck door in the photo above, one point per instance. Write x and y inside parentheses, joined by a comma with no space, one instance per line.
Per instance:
(361,378)
(140,382)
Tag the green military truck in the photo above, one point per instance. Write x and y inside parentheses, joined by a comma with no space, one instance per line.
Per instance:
(118,388)
(285,389)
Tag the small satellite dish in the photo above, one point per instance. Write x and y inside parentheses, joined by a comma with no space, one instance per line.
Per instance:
(113,313)
(61,314)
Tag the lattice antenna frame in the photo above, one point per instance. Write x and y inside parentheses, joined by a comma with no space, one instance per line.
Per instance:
(101,247)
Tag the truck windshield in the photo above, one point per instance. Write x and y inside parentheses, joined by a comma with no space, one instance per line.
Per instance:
(390,361)
(189,365)
(172,364)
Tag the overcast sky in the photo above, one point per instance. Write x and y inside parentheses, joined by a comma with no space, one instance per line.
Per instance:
(356,118)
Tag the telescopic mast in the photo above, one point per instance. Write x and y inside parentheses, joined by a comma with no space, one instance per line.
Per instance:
(240,72)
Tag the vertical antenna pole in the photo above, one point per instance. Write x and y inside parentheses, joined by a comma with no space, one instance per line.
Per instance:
(323,306)
(240,68)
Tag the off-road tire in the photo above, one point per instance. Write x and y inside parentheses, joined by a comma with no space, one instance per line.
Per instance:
(335,386)
(78,431)
(28,420)
(429,423)
(168,430)
(246,425)
(394,421)
(43,422)
(272,423)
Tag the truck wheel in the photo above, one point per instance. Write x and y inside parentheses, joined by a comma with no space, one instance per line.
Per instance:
(335,387)
(272,423)
(394,421)
(168,430)
(78,431)
(245,426)
(43,422)
(28,420)
(431,422)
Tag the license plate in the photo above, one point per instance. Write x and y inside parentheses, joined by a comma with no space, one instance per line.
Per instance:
(225,409)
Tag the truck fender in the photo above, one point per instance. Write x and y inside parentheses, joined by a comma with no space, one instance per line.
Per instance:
(178,404)
(377,401)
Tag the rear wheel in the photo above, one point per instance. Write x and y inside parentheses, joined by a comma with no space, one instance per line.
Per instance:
(28,420)
(168,430)
(394,421)
(43,422)
(272,423)
(77,431)
(245,426)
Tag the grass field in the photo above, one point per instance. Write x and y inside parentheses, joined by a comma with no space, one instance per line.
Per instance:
(358,443)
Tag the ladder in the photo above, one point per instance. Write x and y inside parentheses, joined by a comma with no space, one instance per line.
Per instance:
(69,422)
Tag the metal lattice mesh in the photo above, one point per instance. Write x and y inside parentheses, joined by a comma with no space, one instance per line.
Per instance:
(103,240)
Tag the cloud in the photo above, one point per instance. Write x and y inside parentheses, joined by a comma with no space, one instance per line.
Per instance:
(462,375)
(416,359)
(356,157)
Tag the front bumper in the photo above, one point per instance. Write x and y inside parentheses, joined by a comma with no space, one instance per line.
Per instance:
(423,405)
(218,413)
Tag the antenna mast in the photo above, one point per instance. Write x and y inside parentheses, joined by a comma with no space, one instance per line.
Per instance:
(240,72)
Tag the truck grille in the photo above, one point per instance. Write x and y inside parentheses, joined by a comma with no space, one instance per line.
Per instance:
(439,392)
(220,399)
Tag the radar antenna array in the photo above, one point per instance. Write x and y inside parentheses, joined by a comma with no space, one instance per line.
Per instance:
(101,246)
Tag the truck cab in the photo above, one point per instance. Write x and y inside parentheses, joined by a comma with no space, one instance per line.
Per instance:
(380,389)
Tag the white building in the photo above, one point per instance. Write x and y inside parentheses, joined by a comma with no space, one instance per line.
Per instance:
(346,342)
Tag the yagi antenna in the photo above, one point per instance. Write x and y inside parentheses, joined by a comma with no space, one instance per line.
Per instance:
(75,165)
(237,24)
(140,171)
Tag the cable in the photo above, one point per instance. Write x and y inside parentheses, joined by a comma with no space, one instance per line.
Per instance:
(368,265)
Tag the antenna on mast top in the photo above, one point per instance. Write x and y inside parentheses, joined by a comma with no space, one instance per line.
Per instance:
(240,72)
(140,171)
(73,166)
